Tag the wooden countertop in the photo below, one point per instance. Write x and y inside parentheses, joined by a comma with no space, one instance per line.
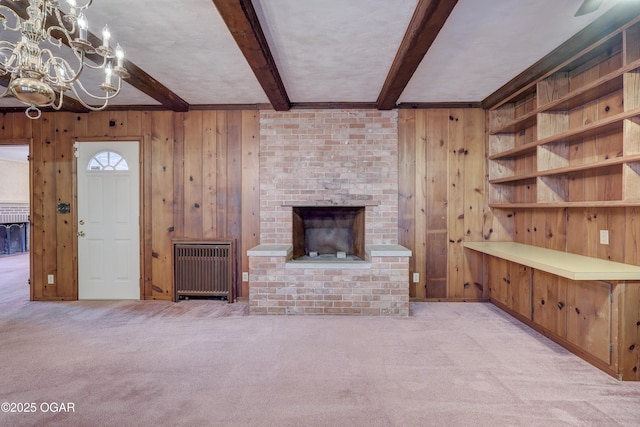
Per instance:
(571,266)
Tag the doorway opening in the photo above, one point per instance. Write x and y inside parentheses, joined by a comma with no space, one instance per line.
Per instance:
(15,197)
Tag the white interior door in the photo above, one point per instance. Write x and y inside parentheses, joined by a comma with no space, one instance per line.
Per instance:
(108,220)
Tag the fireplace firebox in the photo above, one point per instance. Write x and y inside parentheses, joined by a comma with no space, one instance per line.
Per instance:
(328,232)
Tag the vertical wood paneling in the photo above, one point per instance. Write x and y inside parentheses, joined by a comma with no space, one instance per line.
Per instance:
(209,166)
(48,188)
(36,167)
(631,236)
(178,174)
(455,209)
(147,203)
(234,184)
(436,194)
(555,229)
(250,190)
(66,255)
(442,200)
(406,188)
(475,195)
(421,253)
(222,143)
(192,185)
(162,193)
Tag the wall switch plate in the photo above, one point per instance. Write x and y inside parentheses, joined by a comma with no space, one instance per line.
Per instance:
(245,276)
(50,279)
(416,277)
(604,237)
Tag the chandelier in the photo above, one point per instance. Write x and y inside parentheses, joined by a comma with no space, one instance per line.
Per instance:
(40,71)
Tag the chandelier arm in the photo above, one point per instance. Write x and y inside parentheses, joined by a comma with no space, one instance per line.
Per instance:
(85,6)
(15,17)
(87,106)
(8,65)
(64,19)
(90,95)
(97,66)
(60,101)
(55,40)
(56,61)
(6,92)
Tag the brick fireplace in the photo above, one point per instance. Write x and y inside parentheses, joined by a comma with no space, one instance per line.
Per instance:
(339,168)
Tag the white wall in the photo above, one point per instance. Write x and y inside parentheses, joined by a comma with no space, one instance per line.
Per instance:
(14,182)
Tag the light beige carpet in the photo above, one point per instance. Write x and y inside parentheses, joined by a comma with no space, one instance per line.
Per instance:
(199,363)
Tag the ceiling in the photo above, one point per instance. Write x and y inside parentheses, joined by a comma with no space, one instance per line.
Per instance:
(327,51)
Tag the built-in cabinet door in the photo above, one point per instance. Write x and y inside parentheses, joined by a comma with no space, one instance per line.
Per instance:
(499,279)
(549,302)
(519,289)
(510,285)
(589,317)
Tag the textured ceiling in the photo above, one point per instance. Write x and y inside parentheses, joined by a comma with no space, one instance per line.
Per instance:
(333,50)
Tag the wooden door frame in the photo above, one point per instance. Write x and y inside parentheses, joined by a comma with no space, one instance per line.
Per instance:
(144,213)
(28,142)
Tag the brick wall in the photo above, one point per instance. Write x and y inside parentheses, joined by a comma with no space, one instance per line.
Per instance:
(324,157)
(14,212)
(381,290)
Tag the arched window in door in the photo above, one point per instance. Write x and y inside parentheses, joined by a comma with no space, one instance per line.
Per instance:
(108,161)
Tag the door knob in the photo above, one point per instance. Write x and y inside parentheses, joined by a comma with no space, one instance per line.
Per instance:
(81,233)
(81,222)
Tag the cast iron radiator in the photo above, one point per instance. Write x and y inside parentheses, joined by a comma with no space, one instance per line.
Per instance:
(203,269)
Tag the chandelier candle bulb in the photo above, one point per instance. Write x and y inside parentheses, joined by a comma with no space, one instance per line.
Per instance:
(119,55)
(106,35)
(83,25)
(107,72)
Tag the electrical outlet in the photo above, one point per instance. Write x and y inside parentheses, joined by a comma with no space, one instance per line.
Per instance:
(416,277)
(604,237)
(245,276)
(50,279)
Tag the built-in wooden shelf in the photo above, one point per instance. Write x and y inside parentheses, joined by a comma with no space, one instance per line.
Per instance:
(582,204)
(597,128)
(563,264)
(608,43)
(567,170)
(577,124)
(605,85)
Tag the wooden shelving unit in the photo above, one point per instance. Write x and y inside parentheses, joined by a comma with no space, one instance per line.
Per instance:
(572,138)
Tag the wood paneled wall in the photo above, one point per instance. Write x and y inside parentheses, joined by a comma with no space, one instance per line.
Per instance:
(577,230)
(443,200)
(199,180)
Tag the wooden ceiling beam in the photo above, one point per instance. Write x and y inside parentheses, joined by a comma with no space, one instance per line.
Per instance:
(242,21)
(138,78)
(426,22)
(609,22)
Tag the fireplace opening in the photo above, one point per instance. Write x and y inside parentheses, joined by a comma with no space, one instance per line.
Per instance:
(328,233)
